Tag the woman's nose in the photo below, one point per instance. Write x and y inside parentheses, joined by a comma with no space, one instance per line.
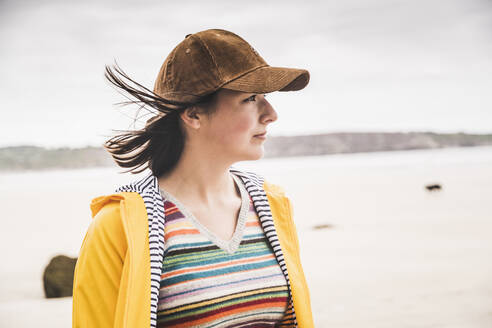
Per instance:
(269,115)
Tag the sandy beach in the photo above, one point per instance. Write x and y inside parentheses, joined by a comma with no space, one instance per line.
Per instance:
(395,256)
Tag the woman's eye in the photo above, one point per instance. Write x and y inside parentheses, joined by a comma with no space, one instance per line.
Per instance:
(252,98)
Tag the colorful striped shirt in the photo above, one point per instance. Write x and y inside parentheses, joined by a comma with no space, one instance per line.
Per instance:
(210,282)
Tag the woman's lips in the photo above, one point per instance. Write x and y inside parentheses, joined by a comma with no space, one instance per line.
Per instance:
(260,136)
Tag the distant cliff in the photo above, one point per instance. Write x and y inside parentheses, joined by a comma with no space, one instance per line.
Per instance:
(334,143)
(38,158)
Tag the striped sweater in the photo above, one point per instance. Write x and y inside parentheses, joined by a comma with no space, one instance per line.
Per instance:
(210,282)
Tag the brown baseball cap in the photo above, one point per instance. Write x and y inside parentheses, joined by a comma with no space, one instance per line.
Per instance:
(212,59)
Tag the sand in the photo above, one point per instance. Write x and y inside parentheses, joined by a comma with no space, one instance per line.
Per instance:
(395,256)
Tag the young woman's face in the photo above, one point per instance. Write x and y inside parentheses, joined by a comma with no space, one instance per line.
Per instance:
(237,128)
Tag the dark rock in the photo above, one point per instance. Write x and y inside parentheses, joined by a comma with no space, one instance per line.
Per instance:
(433,187)
(323,226)
(58,276)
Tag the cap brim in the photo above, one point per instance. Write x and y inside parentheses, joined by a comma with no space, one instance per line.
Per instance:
(269,79)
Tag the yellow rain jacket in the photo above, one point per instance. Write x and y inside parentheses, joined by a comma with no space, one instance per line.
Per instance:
(111,283)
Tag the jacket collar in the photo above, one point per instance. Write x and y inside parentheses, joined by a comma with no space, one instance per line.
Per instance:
(148,188)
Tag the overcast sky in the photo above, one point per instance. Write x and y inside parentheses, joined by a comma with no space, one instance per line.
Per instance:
(376,65)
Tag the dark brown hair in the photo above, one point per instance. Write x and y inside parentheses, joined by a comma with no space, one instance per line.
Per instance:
(159,145)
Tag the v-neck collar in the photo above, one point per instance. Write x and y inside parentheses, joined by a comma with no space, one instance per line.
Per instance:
(230,246)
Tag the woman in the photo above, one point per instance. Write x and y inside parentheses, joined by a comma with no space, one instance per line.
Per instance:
(196,243)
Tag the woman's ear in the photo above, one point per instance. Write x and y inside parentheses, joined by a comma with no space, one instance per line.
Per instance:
(192,117)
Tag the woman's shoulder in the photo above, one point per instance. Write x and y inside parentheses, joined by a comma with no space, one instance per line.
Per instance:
(106,213)
(111,214)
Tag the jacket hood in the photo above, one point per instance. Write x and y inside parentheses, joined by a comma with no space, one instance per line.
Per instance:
(99,202)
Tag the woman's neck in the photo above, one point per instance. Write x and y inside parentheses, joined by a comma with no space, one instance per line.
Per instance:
(202,178)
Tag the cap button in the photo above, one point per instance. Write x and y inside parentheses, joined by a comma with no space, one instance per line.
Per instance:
(187,35)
